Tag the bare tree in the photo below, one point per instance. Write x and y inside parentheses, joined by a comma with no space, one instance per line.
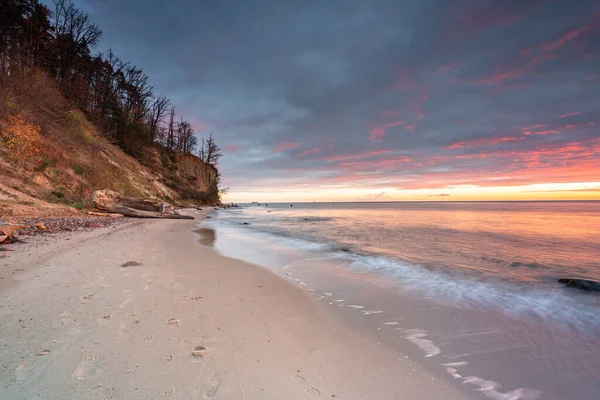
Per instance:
(136,94)
(186,141)
(212,152)
(74,35)
(158,110)
(171,130)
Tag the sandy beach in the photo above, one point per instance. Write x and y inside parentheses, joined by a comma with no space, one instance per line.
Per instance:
(115,313)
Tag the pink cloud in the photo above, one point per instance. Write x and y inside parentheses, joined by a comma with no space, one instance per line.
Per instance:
(232,148)
(411,127)
(282,146)
(483,142)
(358,155)
(539,129)
(307,152)
(376,134)
(388,112)
(538,126)
(393,124)
(506,75)
(374,165)
(555,45)
(548,132)
(569,114)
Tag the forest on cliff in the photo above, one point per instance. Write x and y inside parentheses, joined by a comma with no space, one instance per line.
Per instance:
(72,120)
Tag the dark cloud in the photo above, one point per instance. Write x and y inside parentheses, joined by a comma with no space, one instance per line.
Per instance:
(391,93)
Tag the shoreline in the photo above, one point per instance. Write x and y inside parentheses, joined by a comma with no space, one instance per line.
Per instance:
(498,352)
(76,324)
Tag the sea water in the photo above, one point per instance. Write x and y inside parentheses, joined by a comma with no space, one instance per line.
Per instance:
(472,285)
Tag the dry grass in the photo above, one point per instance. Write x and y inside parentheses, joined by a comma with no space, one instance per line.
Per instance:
(71,159)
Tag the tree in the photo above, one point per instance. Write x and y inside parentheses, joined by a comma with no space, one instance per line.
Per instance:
(186,141)
(114,94)
(158,110)
(171,130)
(74,35)
(209,152)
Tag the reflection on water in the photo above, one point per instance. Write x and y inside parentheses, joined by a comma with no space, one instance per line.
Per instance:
(524,241)
(208,236)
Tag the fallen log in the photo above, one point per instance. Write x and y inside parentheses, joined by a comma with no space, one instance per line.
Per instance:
(140,204)
(109,201)
(103,214)
(132,212)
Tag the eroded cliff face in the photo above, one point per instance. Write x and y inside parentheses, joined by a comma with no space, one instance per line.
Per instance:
(205,176)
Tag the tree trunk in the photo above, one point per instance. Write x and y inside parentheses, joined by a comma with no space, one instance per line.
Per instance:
(130,207)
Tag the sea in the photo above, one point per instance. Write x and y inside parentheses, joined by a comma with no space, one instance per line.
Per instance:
(471,287)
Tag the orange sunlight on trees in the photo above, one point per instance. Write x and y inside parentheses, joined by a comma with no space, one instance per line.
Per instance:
(22,137)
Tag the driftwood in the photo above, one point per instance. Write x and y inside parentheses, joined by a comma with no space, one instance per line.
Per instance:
(103,214)
(110,202)
(7,231)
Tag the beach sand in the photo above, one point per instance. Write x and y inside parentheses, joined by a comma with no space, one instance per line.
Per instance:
(77,324)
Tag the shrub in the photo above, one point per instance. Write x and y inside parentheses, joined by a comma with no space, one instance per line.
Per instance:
(78,205)
(59,194)
(78,169)
(47,162)
(22,137)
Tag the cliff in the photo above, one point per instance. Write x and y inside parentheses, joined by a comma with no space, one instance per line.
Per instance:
(204,175)
(52,158)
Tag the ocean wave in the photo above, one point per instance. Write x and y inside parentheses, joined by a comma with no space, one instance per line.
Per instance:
(546,301)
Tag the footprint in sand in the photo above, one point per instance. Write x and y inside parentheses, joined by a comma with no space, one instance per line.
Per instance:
(312,391)
(167,393)
(87,367)
(212,385)
(20,370)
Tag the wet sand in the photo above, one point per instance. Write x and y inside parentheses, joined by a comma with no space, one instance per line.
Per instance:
(77,324)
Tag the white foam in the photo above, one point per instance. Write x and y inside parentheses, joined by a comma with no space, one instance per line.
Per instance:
(369,312)
(456,364)
(453,373)
(490,389)
(548,305)
(415,336)
(354,306)
(390,323)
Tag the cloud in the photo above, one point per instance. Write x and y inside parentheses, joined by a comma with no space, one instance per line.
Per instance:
(483,142)
(569,114)
(403,93)
(282,146)
(307,152)
(374,197)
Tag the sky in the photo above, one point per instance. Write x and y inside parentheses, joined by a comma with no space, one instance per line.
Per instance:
(353,100)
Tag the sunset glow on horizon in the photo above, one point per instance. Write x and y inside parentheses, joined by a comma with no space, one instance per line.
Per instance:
(387,100)
(540,192)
